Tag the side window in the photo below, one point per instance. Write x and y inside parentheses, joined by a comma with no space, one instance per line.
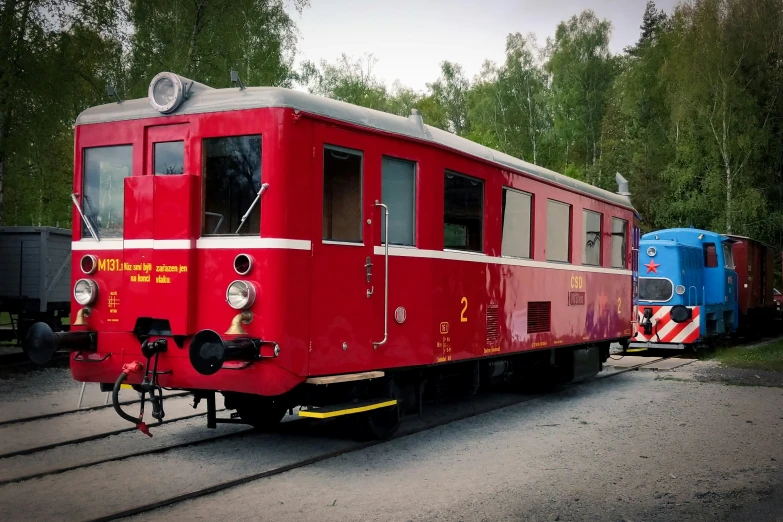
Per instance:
(710,255)
(619,242)
(232,179)
(517,211)
(342,212)
(169,157)
(103,190)
(558,231)
(591,230)
(398,191)
(463,213)
(728,256)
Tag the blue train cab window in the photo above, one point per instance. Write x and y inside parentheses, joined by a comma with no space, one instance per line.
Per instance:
(728,256)
(710,255)
(655,289)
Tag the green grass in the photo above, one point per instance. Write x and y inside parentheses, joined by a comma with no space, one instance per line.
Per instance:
(764,357)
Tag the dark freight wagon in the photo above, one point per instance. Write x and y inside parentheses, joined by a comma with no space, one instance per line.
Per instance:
(35,271)
(755,266)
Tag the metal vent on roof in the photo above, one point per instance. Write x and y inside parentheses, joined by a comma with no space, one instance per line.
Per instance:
(539,316)
(493,325)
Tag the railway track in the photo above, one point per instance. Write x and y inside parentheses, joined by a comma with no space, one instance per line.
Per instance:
(90,438)
(277,470)
(52,415)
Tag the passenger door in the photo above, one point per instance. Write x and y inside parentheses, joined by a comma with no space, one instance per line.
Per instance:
(345,281)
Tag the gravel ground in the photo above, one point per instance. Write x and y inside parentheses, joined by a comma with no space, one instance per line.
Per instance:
(47,391)
(32,434)
(635,447)
(640,446)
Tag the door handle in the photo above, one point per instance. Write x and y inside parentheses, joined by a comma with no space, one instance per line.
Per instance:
(368,268)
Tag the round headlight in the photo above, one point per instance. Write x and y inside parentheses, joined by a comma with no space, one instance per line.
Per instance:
(165,92)
(85,291)
(680,289)
(243,263)
(89,264)
(651,252)
(241,294)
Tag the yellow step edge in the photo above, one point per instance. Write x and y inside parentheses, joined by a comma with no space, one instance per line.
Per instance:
(348,411)
(631,350)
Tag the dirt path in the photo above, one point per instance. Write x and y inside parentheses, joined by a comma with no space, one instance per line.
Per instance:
(635,447)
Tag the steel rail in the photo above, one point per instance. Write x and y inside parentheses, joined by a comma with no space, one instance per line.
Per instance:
(90,438)
(142,453)
(79,410)
(145,508)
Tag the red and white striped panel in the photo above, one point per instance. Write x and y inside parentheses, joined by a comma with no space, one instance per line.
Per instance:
(664,330)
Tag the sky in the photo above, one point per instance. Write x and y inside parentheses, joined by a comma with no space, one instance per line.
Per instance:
(409,38)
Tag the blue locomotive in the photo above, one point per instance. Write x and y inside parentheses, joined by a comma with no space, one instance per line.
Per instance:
(687,289)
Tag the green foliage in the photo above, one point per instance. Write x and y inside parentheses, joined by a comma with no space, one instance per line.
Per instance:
(691,114)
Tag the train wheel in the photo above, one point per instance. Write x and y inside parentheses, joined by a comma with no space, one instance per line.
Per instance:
(382,423)
(263,413)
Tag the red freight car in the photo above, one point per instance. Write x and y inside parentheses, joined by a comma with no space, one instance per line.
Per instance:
(235,240)
(754,263)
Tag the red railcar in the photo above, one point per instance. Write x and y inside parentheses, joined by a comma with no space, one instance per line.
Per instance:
(754,263)
(235,240)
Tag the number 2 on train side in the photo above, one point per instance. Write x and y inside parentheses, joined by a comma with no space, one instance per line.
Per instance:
(462,317)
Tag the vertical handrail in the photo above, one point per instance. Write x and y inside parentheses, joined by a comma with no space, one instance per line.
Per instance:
(385,279)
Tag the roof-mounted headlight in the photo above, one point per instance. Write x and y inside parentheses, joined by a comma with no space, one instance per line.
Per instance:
(166,92)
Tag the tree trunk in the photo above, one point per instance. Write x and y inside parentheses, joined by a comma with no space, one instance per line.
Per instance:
(8,77)
(728,199)
(194,35)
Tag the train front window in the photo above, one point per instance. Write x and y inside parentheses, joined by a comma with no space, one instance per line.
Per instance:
(232,179)
(655,289)
(463,213)
(103,188)
(169,157)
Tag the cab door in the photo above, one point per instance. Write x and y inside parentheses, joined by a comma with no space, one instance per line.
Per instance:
(161,251)
(345,280)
